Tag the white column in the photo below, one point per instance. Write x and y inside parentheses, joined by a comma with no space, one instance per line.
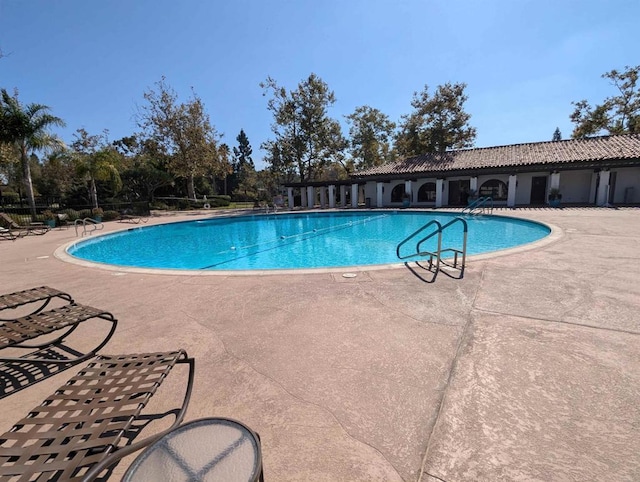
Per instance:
(332,196)
(511,190)
(592,188)
(354,195)
(407,189)
(343,196)
(439,191)
(323,197)
(603,188)
(290,197)
(311,191)
(554,182)
(379,193)
(473,184)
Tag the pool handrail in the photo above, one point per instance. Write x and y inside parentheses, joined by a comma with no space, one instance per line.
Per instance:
(463,251)
(413,235)
(479,206)
(89,225)
(438,253)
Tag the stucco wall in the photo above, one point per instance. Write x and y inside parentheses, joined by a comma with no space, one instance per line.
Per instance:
(370,192)
(575,186)
(627,178)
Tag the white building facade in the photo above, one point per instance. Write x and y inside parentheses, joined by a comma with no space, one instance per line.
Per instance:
(593,171)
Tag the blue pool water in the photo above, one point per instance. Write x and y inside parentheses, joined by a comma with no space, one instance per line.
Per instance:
(300,240)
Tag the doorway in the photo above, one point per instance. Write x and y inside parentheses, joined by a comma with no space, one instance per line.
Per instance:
(459,192)
(538,190)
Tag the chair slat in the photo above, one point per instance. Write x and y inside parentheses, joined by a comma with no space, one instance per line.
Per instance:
(29,327)
(41,293)
(85,420)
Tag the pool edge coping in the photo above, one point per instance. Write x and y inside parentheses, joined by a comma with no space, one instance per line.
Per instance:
(555,234)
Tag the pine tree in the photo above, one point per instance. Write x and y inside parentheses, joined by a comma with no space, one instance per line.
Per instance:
(438,122)
(307,139)
(243,178)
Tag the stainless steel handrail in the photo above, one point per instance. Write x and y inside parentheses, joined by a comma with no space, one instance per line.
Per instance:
(463,251)
(479,206)
(412,235)
(438,253)
(87,222)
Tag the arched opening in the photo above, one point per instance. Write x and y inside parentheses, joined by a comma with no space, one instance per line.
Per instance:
(397,193)
(427,193)
(495,189)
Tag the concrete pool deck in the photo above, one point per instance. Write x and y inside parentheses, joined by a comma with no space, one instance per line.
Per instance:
(526,369)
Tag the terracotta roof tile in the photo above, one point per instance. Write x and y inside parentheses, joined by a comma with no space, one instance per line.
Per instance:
(538,153)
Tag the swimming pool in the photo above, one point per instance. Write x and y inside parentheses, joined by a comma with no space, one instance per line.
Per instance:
(294,241)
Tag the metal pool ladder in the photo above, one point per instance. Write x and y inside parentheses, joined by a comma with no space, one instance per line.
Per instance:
(437,255)
(88,226)
(482,205)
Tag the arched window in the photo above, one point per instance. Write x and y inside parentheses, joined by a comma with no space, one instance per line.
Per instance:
(427,193)
(494,188)
(397,193)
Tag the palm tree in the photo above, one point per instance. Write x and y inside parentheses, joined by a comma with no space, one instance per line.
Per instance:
(26,127)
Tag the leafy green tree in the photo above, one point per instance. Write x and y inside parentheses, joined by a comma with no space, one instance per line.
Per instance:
(248,185)
(10,164)
(144,168)
(370,134)
(27,129)
(306,138)
(184,132)
(57,175)
(619,114)
(96,160)
(277,164)
(437,124)
(219,175)
(267,183)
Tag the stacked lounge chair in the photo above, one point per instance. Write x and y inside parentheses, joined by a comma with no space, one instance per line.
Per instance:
(8,224)
(86,426)
(43,335)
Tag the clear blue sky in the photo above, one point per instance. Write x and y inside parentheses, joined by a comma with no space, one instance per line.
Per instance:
(523,61)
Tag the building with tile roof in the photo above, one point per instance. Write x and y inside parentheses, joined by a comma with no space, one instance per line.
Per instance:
(590,171)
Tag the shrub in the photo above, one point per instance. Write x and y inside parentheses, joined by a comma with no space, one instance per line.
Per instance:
(184,204)
(24,219)
(554,194)
(72,214)
(218,202)
(242,198)
(159,205)
(10,197)
(110,215)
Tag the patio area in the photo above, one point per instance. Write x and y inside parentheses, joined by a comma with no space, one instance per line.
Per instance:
(526,369)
